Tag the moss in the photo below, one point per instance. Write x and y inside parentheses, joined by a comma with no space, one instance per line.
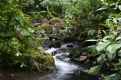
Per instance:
(48,62)
(56,22)
(42,61)
(39,61)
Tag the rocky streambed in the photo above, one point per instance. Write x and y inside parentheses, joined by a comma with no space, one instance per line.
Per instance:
(65,68)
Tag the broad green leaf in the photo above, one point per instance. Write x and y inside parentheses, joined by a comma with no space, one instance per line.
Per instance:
(115,20)
(95,69)
(112,50)
(101,58)
(118,38)
(101,46)
(92,48)
(120,7)
(106,39)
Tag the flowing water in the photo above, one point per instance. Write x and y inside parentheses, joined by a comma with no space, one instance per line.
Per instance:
(65,69)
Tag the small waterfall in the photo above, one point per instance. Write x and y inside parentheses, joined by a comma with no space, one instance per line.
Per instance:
(64,67)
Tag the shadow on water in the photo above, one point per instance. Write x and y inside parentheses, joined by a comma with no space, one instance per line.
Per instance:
(7,74)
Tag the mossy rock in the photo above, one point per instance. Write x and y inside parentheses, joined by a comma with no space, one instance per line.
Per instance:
(57,22)
(55,44)
(42,61)
(39,61)
(75,52)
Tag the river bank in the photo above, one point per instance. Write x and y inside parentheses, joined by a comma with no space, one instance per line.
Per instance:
(65,69)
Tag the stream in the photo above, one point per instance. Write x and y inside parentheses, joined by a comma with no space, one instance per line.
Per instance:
(65,69)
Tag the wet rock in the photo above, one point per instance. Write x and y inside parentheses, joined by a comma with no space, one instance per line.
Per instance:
(80,55)
(80,59)
(42,61)
(70,46)
(56,22)
(62,57)
(63,49)
(83,58)
(55,44)
(75,53)
(54,53)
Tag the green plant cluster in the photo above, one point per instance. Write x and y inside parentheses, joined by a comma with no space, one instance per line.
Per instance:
(78,16)
(18,38)
(109,46)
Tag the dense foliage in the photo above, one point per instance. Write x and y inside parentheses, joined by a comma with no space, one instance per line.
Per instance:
(19,40)
(108,45)
(24,24)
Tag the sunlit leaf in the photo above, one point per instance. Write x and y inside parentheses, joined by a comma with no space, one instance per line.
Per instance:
(102,46)
(112,50)
(118,38)
(95,69)
(18,54)
(102,9)
(120,7)
(115,20)
(106,39)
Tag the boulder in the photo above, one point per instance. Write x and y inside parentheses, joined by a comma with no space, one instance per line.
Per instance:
(75,53)
(42,62)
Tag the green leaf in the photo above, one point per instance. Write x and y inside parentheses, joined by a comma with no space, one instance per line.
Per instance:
(115,20)
(18,54)
(1,44)
(102,9)
(120,7)
(115,15)
(91,32)
(92,48)
(106,39)
(95,69)
(101,46)
(22,65)
(112,77)
(112,50)
(118,38)
(101,58)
